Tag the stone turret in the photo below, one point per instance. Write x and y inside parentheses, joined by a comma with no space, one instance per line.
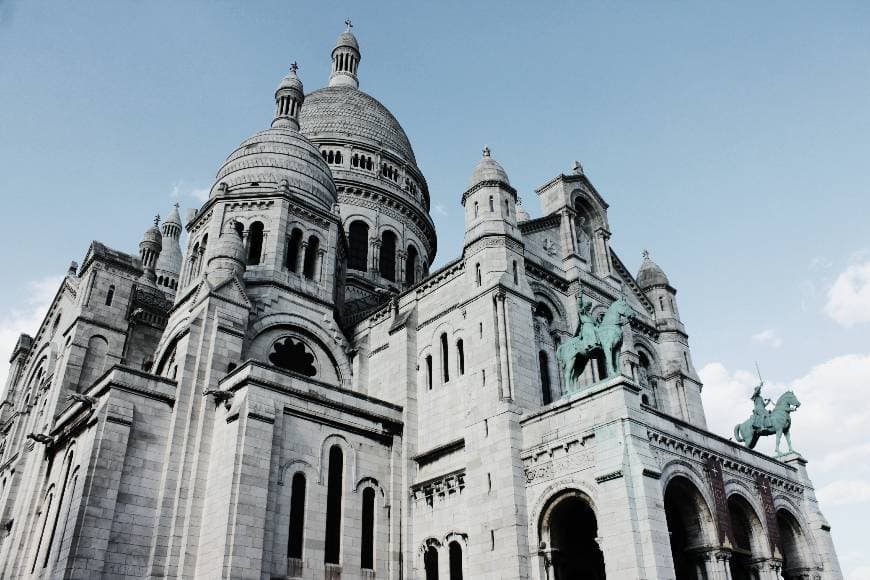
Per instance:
(229,255)
(490,202)
(149,251)
(345,60)
(168,267)
(289,97)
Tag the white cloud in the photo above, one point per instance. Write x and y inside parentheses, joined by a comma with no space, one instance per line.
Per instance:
(768,337)
(25,318)
(439,209)
(844,492)
(849,297)
(180,190)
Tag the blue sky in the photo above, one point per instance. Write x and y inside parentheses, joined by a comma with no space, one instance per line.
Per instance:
(730,139)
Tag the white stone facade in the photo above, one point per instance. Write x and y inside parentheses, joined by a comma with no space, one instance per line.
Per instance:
(296,396)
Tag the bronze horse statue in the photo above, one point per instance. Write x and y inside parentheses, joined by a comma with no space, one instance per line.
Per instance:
(775,422)
(574,353)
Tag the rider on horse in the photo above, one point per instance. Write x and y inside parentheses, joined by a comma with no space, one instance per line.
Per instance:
(760,414)
(586,326)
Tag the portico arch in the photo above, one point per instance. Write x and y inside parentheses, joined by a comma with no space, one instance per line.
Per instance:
(796,559)
(690,523)
(569,538)
(749,538)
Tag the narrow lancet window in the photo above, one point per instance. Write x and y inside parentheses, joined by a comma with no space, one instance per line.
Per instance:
(297,517)
(333,506)
(367,559)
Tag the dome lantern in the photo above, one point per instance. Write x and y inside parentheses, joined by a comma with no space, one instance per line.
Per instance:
(345,60)
(288,100)
(149,250)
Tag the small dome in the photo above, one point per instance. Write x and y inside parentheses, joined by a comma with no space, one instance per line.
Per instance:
(488,169)
(347,38)
(153,235)
(290,82)
(276,154)
(650,274)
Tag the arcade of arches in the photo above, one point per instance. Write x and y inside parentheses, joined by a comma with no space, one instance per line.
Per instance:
(570,543)
(698,554)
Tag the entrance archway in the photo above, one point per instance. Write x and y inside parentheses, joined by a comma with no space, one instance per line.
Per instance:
(748,539)
(795,548)
(569,535)
(690,525)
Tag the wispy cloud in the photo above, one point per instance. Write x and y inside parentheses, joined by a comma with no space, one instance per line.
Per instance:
(849,297)
(181,191)
(25,318)
(768,337)
(439,209)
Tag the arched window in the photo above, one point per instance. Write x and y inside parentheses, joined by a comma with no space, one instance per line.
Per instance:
(296,531)
(460,356)
(411,266)
(429,371)
(255,243)
(291,259)
(476,209)
(45,514)
(63,491)
(358,242)
(388,256)
(516,274)
(367,559)
(333,505)
(478,275)
(110,295)
(491,205)
(311,257)
(507,208)
(430,563)
(544,364)
(200,255)
(445,360)
(455,560)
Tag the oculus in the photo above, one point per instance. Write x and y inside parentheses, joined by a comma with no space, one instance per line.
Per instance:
(292,355)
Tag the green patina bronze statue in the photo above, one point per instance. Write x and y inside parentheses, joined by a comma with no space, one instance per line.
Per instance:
(592,340)
(768,422)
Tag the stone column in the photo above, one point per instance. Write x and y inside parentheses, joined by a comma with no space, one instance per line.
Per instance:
(376,255)
(506,390)
(300,257)
(318,267)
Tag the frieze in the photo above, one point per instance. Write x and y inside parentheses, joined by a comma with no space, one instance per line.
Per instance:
(557,460)
(680,447)
(439,488)
(494,242)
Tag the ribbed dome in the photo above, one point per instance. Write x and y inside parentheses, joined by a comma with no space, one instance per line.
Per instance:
(276,154)
(290,82)
(347,39)
(522,214)
(347,112)
(488,169)
(650,274)
(153,235)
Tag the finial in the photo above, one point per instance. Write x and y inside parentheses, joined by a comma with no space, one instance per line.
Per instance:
(349,25)
(177,205)
(645,254)
(577,168)
(294,67)
(486,150)
(157,220)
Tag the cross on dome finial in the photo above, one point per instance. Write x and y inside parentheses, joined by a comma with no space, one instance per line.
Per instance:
(157,220)
(645,254)
(578,169)
(486,150)
(294,67)
(349,24)
(177,205)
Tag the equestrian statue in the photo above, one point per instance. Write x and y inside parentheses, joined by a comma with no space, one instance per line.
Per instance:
(593,340)
(768,422)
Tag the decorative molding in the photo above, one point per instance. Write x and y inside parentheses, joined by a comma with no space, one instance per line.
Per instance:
(608,476)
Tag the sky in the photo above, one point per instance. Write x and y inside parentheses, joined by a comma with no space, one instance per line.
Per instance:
(729,138)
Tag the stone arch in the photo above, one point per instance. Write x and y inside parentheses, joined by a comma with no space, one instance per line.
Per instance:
(260,335)
(569,537)
(293,466)
(554,303)
(690,520)
(797,545)
(94,361)
(750,536)
(368,481)
(349,459)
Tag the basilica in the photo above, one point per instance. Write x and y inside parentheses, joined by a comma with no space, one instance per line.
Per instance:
(297,393)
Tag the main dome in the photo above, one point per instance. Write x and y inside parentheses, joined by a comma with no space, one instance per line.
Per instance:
(343,111)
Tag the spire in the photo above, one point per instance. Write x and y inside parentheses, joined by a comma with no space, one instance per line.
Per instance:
(345,59)
(288,100)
